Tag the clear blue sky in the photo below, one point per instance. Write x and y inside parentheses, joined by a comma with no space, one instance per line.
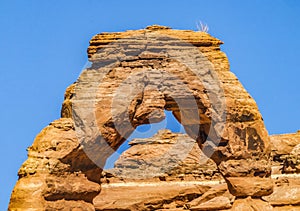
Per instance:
(43,48)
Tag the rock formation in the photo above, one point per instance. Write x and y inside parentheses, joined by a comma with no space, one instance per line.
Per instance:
(285,153)
(49,179)
(134,77)
(162,158)
(121,185)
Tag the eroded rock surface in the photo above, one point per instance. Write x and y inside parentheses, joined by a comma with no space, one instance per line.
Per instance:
(60,175)
(285,153)
(118,182)
(147,196)
(47,181)
(182,71)
(166,156)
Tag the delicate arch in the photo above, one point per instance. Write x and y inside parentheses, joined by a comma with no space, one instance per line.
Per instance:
(134,78)
(62,172)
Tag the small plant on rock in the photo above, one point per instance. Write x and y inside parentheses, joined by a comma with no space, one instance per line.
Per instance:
(203,27)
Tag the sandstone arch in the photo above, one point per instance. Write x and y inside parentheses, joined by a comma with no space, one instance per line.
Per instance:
(231,133)
(240,148)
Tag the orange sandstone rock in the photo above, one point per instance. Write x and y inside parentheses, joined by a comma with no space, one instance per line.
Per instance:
(135,76)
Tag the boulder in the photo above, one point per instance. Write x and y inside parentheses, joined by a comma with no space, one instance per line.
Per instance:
(249,186)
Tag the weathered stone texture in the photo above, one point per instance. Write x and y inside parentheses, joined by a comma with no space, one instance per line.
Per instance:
(140,80)
(286,153)
(46,180)
(163,157)
(151,64)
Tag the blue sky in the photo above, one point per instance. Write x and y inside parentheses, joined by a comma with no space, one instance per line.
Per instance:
(43,48)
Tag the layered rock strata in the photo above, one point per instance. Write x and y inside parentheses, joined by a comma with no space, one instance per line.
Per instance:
(189,185)
(139,74)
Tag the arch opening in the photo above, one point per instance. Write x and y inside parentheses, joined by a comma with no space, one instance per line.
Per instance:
(147,131)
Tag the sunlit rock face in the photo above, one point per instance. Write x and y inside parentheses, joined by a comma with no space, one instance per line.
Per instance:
(134,77)
(163,157)
(128,184)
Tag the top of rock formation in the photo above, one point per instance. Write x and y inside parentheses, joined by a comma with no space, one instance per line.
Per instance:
(196,38)
(285,143)
(164,136)
(157,27)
